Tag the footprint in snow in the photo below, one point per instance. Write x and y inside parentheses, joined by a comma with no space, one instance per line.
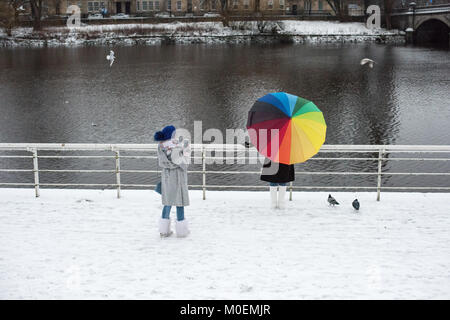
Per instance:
(84,200)
(245,288)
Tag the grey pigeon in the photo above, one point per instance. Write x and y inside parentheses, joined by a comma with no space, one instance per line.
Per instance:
(355,204)
(332,201)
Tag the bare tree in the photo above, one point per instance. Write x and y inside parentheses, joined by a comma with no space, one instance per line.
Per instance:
(57,6)
(7,17)
(257,6)
(337,7)
(9,14)
(36,10)
(388,5)
(225,12)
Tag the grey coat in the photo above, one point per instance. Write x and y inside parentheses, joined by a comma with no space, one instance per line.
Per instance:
(174,187)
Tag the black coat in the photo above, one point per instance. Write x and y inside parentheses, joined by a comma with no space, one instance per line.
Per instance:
(282,174)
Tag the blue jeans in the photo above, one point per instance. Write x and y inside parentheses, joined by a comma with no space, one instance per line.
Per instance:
(166,213)
(273,184)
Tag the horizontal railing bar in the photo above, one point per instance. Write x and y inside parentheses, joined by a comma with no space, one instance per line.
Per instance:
(79,184)
(234,158)
(144,171)
(234,172)
(77,171)
(16,156)
(222,186)
(76,157)
(141,157)
(144,147)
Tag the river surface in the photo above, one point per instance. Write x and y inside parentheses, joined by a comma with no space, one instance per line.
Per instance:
(57,94)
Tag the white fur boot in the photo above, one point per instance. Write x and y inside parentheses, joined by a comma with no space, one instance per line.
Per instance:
(164,228)
(182,228)
(273,197)
(282,197)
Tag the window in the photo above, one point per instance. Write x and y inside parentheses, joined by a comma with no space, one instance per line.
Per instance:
(320,5)
(90,6)
(307,6)
(96,6)
(213,5)
(179,5)
(246,4)
(235,4)
(102,4)
(202,4)
(156,5)
(150,5)
(169,5)
(138,6)
(144,6)
(281,4)
(270,4)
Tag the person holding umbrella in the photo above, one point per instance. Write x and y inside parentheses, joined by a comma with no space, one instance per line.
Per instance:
(277,175)
(173,158)
(286,129)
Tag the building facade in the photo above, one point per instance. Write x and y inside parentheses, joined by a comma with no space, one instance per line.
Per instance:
(200,7)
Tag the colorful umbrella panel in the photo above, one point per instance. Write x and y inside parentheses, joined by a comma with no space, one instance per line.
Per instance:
(286,128)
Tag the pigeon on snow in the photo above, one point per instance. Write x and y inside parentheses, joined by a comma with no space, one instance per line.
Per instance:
(355,204)
(332,201)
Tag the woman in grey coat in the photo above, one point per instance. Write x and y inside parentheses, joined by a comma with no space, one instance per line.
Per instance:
(173,158)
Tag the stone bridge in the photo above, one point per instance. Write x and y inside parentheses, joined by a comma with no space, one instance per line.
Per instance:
(424,23)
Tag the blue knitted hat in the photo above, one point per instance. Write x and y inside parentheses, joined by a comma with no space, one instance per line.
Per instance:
(165,134)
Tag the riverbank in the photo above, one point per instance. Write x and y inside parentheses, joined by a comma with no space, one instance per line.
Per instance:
(86,244)
(202,32)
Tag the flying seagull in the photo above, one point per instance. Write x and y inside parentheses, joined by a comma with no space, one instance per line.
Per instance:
(369,61)
(355,204)
(110,57)
(332,201)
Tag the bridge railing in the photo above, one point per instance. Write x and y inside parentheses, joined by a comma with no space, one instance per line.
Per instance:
(203,154)
(422,6)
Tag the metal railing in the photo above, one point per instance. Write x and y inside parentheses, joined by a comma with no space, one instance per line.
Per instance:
(202,155)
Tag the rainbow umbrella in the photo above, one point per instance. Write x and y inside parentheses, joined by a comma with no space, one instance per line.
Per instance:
(286,128)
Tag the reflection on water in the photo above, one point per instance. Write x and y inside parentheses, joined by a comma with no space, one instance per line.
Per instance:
(55,94)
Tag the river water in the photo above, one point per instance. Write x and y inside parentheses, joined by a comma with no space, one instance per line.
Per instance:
(56,94)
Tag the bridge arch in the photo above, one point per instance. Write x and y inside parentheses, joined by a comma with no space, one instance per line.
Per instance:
(433,30)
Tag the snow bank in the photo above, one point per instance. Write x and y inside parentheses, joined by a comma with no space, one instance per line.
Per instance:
(88,244)
(330,28)
(203,32)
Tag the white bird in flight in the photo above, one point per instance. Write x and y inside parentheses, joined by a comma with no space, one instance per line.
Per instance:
(369,61)
(110,57)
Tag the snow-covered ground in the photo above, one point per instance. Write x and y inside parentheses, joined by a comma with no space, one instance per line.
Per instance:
(205,32)
(88,244)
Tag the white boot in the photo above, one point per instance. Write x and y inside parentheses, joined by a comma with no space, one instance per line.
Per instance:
(182,228)
(273,197)
(164,228)
(282,197)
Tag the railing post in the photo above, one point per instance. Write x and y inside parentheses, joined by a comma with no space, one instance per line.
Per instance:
(204,172)
(290,191)
(118,173)
(380,156)
(36,172)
